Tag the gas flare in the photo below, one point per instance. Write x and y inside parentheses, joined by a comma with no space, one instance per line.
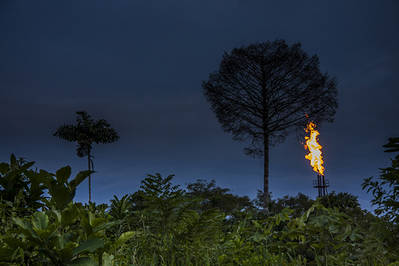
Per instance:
(314,156)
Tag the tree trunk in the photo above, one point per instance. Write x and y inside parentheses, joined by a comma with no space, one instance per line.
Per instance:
(266,197)
(88,158)
(265,123)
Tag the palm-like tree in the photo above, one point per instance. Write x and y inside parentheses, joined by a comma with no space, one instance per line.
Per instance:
(85,133)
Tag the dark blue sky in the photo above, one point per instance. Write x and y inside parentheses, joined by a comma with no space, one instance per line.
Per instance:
(140,64)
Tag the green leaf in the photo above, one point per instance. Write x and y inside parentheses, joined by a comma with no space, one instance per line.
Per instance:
(123,238)
(89,245)
(69,216)
(25,228)
(6,253)
(257,237)
(39,221)
(79,178)
(308,212)
(63,174)
(27,166)
(4,168)
(23,224)
(13,242)
(108,259)
(355,236)
(60,195)
(58,216)
(278,219)
(333,229)
(103,225)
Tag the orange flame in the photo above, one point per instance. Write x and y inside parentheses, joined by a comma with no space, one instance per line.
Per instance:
(314,156)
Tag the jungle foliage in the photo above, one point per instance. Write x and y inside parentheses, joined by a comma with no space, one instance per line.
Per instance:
(163,224)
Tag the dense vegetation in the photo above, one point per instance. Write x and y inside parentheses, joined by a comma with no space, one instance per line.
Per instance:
(163,224)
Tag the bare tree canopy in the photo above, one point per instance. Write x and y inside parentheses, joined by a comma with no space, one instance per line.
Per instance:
(264,90)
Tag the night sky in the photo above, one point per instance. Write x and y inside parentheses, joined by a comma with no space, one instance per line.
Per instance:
(139,65)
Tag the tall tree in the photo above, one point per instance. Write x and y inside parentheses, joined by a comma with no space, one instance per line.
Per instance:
(264,90)
(85,133)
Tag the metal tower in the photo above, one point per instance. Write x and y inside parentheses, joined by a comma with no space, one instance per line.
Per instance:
(321,184)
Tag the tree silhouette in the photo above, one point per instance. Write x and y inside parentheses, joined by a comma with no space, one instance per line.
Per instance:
(85,133)
(385,188)
(216,197)
(264,90)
